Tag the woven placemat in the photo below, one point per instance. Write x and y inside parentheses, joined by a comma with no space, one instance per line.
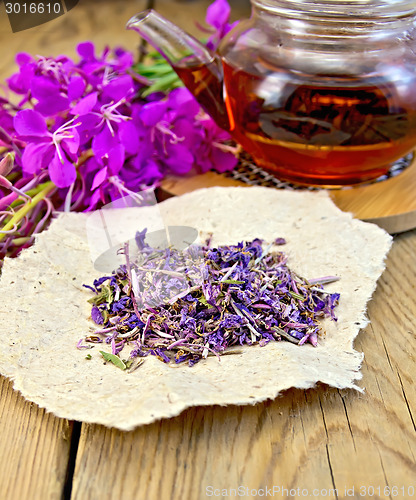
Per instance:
(248,172)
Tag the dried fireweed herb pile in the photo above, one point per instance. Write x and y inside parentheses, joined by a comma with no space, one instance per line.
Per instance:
(183,306)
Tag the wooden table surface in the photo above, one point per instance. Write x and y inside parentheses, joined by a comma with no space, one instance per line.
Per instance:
(321,443)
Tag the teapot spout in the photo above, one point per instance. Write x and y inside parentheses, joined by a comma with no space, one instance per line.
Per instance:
(199,69)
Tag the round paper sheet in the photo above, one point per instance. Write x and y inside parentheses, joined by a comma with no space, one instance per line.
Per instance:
(45,310)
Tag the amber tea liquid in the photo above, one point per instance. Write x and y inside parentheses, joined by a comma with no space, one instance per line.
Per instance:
(206,84)
(337,132)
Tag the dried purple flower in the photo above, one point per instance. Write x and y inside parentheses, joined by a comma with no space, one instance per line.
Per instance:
(184,306)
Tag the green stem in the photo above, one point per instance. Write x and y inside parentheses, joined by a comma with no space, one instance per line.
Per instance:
(17,242)
(31,192)
(18,216)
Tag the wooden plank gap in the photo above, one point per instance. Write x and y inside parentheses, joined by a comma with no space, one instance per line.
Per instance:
(384,473)
(407,402)
(348,419)
(73,451)
(331,471)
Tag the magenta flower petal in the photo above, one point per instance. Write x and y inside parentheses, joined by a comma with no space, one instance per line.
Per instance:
(103,142)
(94,200)
(86,50)
(118,88)
(115,158)
(43,87)
(20,82)
(139,174)
(204,165)
(52,105)
(71,144)
(152,173)
(125,61)
(85,105)
(87,126)
(229,27)
(146,148)
(49,95)
(23,58)
(180,160)
(62,173)
(222,161)
(36,156)
(99,178)
(76,88)
(129,137)
(190,134)
(30,123)
(218,13)
(153,112)
(183,102)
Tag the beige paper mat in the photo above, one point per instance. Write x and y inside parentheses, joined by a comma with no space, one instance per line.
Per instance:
(45,310)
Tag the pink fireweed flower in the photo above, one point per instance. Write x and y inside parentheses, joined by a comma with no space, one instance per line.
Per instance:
(109,114)
(56,151)
(218,16)
(101,118)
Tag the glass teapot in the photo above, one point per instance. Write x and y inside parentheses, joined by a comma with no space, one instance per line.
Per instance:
(319,92)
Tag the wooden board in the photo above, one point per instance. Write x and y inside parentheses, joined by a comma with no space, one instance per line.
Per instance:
(35,449)
(320,439)
(316,439)
(391,204)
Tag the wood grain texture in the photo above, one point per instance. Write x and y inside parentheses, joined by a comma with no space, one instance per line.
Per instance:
(34,448)
(390,204)
(321,439)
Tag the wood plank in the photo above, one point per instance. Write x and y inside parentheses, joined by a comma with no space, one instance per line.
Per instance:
(34,446)
(317,439)
(381,429)
(391,204)
(207,447)
(321,439)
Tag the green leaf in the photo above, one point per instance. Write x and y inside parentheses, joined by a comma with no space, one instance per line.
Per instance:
(203,300)
(97,299)
(105,295)
(154,70)
(163,84)
(232,282)
(105,316)
(113,359)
